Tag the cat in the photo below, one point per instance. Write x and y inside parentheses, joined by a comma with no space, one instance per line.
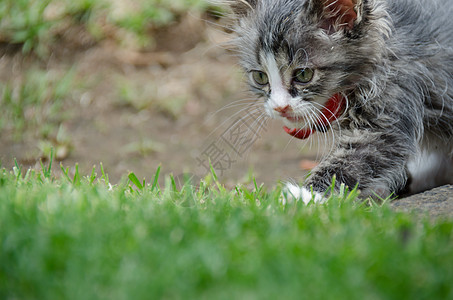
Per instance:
(378,74)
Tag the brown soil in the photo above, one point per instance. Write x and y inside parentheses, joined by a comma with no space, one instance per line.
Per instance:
(188,64)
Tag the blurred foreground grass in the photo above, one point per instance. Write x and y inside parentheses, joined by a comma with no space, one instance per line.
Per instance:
(81,238)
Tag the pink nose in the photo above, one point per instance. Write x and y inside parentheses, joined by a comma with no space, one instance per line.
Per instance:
(283,110)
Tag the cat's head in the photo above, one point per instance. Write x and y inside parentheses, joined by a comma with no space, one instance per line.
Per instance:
(298,54)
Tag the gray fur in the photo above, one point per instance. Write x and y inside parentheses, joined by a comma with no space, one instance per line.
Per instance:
(394,65)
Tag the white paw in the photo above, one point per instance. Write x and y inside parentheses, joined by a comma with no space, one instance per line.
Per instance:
(293,192)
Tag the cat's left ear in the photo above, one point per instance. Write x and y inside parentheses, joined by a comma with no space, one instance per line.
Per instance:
(335,15)
(240,8)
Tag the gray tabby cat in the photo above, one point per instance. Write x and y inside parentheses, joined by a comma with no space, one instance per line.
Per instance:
(377,73)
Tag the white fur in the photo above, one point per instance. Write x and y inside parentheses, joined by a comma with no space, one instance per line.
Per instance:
(429,169)
(279,95)
(293,192)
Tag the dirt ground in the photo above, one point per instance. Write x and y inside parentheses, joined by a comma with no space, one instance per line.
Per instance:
(196,82)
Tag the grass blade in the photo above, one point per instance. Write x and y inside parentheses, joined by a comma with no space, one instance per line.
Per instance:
(17,170)
(65,172)
(133,178)
(104,175)
(77,180)
(156,179)
(93,175)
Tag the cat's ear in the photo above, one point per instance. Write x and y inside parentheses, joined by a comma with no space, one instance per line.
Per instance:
(335,15)
(242,7)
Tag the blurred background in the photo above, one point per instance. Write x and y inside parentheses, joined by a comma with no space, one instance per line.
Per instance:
(134,85)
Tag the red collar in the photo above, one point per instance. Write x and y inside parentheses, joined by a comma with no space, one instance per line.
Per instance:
(331,111)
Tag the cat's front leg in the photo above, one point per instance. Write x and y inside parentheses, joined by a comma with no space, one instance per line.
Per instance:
(375,161)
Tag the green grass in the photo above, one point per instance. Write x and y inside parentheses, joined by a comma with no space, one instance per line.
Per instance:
(80,238)
(35,102)
(37,24)
(23,21)
(148,14)
(34,108)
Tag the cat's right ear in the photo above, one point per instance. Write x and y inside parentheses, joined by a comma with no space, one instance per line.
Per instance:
(335,15)
(241,7)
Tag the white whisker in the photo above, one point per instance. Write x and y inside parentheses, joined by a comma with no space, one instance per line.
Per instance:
(256,105)
(232,105)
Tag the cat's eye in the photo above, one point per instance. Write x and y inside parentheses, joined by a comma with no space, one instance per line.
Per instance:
(304,75)
(260,77)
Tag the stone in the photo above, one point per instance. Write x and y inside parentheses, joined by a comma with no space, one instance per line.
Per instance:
(437,202)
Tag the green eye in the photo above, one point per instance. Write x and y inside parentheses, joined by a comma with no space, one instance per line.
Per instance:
(260,77)
(304,75)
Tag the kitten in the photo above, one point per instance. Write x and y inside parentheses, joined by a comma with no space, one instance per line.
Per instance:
(378,74)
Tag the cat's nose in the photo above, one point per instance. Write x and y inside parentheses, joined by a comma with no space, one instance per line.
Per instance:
(283,109)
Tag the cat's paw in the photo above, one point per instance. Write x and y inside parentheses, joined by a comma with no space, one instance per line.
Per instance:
(292,192)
